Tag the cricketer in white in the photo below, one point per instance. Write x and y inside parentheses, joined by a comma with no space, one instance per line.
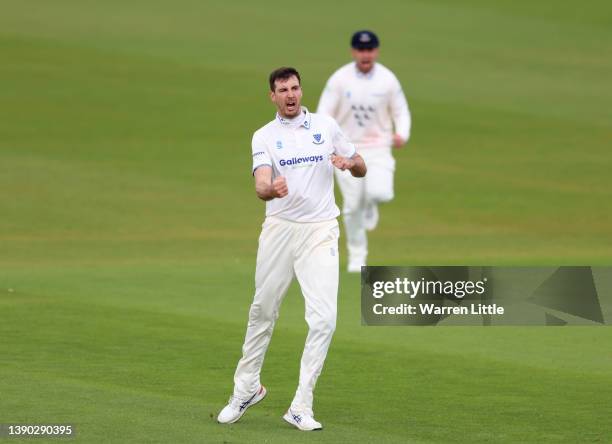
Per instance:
(367,100)
(293,162)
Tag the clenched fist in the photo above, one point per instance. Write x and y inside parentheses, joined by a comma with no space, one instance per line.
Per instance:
(398,142)
(279,185)
(342,163)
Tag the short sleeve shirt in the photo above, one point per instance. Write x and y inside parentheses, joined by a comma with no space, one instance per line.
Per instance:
(302,154)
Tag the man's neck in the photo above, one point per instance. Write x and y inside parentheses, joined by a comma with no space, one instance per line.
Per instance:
(293,121)
(365,73)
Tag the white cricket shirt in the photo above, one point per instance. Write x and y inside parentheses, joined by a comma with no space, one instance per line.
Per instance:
(300,151)
(367,106)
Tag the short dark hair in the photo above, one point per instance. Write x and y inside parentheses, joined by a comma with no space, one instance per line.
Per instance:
(283,73)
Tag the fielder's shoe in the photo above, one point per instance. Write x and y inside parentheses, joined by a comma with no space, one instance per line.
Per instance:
(302,421)
(236,407)
(354,266)
(355,263)
(370,216)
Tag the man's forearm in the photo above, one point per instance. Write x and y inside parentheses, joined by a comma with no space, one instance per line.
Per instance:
(268,189)
(265,191)
(359,169)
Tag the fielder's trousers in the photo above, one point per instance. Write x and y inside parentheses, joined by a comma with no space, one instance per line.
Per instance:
(358,193)
(308,251)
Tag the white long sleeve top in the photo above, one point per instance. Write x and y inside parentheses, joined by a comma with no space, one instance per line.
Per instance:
(369,107)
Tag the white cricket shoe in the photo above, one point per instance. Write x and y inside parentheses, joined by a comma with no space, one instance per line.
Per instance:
(370,216)
(236,407)
(354,266)
(302,421)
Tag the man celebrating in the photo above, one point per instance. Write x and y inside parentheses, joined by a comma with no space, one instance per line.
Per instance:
(293,161)
(368,102)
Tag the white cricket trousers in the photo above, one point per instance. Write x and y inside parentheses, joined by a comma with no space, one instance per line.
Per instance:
(358,193)
(308,251)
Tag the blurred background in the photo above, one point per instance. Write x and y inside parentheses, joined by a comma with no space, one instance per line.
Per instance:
(129,222)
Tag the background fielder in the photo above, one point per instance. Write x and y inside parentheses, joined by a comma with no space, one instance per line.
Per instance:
(367,101)
(293,162)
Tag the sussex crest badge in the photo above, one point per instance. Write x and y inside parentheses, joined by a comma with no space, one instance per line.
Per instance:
(317,139)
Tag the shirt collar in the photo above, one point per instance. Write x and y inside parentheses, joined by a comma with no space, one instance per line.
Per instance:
(302,120)
(364,75)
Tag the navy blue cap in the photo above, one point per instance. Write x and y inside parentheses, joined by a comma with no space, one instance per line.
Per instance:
(364,40)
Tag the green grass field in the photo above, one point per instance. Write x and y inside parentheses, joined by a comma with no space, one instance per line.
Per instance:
(129,223)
